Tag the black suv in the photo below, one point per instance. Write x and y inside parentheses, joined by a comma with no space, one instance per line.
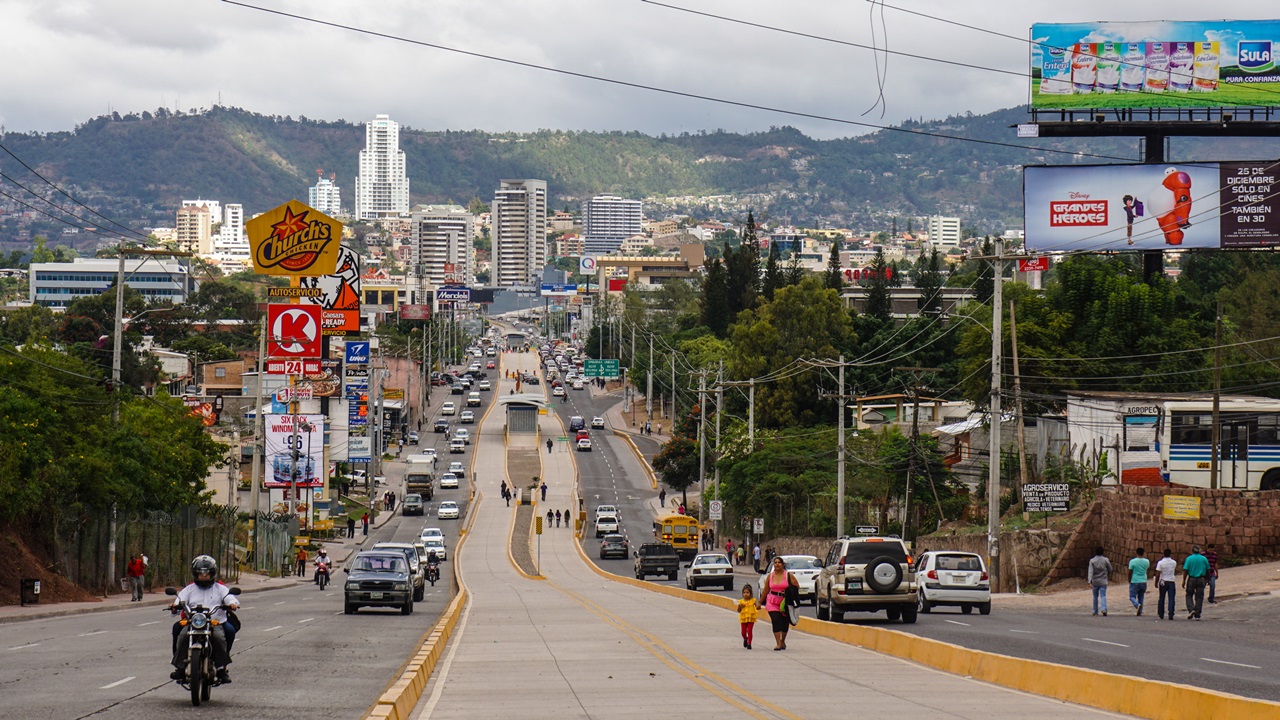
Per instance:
(657,559)
(378,579)
(441,426)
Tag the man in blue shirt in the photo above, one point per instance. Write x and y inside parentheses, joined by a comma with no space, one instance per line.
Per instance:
(1194,578)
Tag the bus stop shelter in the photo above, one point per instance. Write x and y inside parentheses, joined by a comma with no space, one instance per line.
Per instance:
(522,411)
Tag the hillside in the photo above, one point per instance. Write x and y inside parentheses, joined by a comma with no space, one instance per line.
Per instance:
(137,167)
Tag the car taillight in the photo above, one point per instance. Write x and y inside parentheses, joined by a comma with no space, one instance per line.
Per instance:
(984,577)
(932,574)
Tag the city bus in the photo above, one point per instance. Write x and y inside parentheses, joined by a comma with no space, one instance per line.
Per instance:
(1164,440)
(679,531)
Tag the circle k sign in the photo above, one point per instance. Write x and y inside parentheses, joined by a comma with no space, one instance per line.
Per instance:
(294,331)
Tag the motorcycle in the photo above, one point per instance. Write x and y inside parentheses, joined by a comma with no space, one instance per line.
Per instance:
(433,573)
(322,576)
(201,676)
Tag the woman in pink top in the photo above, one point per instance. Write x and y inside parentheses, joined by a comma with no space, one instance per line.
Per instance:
(775,590)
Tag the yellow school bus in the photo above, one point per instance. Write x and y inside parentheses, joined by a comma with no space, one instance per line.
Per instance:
(680,531)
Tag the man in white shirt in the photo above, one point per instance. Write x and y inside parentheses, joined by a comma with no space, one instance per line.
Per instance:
(1166,569)
(205,592)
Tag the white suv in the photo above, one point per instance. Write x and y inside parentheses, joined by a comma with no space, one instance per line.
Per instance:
(867,574)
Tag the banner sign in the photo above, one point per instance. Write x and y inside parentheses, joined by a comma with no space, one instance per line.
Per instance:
(1046,497)
(293,331)
(282,445)
(1158,64)
(1151,207)
(1036,264)
(559,289)
(338,294)
(617,284)
(294,240)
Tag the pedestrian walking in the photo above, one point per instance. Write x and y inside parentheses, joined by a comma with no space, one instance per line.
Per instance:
(504,487)
(300,562)
(544,490)
(506,495)
(728,549)
(662,497)
(778,584)
(364,524)
(551,518)
(566,518)
(648,428)
(747,612)
(1195,576)
(755,557)
(550,445)
(557,518)
(659,428)
(392,496)
(351,527)
(1138,567)
(711,538)
(1167,569)
(136,570)
(742,554)
(1099,570)
(1211,554)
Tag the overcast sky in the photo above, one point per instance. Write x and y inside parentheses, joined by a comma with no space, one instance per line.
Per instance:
(66,61)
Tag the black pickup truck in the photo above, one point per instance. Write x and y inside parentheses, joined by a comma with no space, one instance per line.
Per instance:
(657,559)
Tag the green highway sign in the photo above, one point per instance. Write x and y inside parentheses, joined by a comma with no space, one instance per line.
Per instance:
(600,368)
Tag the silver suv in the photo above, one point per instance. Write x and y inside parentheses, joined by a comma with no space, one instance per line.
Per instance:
(867,574)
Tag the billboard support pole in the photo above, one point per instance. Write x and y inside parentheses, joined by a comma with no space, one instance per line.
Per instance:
(1153,260)
(259,440)
(993,456)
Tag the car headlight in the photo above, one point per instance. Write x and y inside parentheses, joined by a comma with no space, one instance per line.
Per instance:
(401,586)
(353,586)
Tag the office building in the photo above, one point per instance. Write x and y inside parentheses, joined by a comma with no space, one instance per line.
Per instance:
(944,232)
(230,247)
(519,232)
(325,196)
(441,243)
(607,220)
(194,229)
(56,285)
(382,185)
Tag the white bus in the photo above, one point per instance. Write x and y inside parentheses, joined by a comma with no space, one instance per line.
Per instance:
(1160,440)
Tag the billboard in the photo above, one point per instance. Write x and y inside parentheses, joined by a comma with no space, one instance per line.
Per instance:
(294,240)
(294,331)
(1158,64)
(415,312)
(281,443)
(1151,207)
(337,294)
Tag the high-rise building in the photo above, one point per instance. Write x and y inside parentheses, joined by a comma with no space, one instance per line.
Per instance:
(231,246)
(441,242)
(194,229)
(325,196)
(519,232)
(607,220)
(382,186)
(944,232)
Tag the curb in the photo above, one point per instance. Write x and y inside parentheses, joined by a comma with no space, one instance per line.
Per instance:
(68,612)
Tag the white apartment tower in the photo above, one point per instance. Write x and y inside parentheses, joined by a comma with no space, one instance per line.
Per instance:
(442,249)
(607,220)
(519,232)
(944,232)
(194,229)
(382,187)
(230,245)
(325,196)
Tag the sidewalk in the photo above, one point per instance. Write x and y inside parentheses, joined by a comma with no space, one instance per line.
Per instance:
(1233,583)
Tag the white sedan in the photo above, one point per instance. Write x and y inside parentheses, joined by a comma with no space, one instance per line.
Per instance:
(597,423)
(484,385)
(437,544)
(953,578)
(448,481)
(806,569)
(448,409)
(448,510)
(428,533)
(709,569)
(557,391)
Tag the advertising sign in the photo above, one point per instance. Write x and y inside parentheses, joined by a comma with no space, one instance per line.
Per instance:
(295,241)
(617,284)
(293,331)
(586,265)
(282,445)
(415,312)
(338,294)
(1036,264)
(293,367)
(359,449)
(207,410)
(326,382)
(453,294)
(357,352)
(559,289)
(1151,207)
(1046,497)
(1159,64)
(1181,507)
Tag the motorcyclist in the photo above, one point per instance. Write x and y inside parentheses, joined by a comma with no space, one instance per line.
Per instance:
(433,561)
(323,564)
(206,592)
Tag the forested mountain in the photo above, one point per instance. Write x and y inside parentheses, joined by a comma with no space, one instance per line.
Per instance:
(137,167)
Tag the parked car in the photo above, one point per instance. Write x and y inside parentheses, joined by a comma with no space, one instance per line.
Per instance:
(614,545)
(867,574)
(467,417)
(448,409)
(957,579)
(709,569)
(597,423)
(412,504)
(378,579)
(448,510)
(806,569)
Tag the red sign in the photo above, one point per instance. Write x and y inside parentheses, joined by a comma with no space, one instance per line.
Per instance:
(617,284)
(415,312)
(294,331)
(293,367)
(1078,213)
(1036,264)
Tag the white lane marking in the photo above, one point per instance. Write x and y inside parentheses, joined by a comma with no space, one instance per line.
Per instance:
(340,613)
(1226,662)
(305,620)
(118,682)
(153,622)
(282,602)
(95,632)
(1104,642)
(277,627)
(23,647)
(1027,632)
(957,622)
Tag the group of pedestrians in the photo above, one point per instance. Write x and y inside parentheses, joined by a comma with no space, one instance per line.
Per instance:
(708,539)
(1199,571)
(648,428)
(554,517)
(389,501)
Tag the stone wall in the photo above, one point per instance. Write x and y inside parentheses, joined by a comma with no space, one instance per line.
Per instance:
(1244,525)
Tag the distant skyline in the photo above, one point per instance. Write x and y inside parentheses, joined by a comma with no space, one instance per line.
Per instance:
(70,61)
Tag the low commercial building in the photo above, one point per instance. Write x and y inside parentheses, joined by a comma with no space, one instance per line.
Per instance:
(56,285)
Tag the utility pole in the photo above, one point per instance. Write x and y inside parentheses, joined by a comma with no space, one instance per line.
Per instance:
(702,445)
(673,393)
(1215,453)
(719,406)
(916,372)
(751,414)
(1017,406)
(259,439)
(993,465)
(840,450)
(648,385)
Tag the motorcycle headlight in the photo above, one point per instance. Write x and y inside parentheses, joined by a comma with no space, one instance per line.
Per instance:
(401,586)
(199,621)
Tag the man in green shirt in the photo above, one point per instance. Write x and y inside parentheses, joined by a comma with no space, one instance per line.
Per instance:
(1194,577)
(1138,568)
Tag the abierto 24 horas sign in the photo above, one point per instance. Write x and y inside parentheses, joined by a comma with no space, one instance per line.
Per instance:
(1152,207)
(1157,64)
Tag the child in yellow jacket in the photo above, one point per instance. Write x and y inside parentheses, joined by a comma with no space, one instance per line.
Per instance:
(747,615)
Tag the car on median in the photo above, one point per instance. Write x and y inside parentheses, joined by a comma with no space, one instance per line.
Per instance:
(806,569)
(614,545)
(709,569)
(448,510)
(378,579)
(953,578)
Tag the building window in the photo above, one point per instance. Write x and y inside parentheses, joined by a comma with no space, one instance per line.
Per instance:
(220,372)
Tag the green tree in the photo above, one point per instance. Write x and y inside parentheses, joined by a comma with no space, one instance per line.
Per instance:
(929,283)
(834,278)
(795,271)
(877,284)
(715,299)
(772,272)
(742,267)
